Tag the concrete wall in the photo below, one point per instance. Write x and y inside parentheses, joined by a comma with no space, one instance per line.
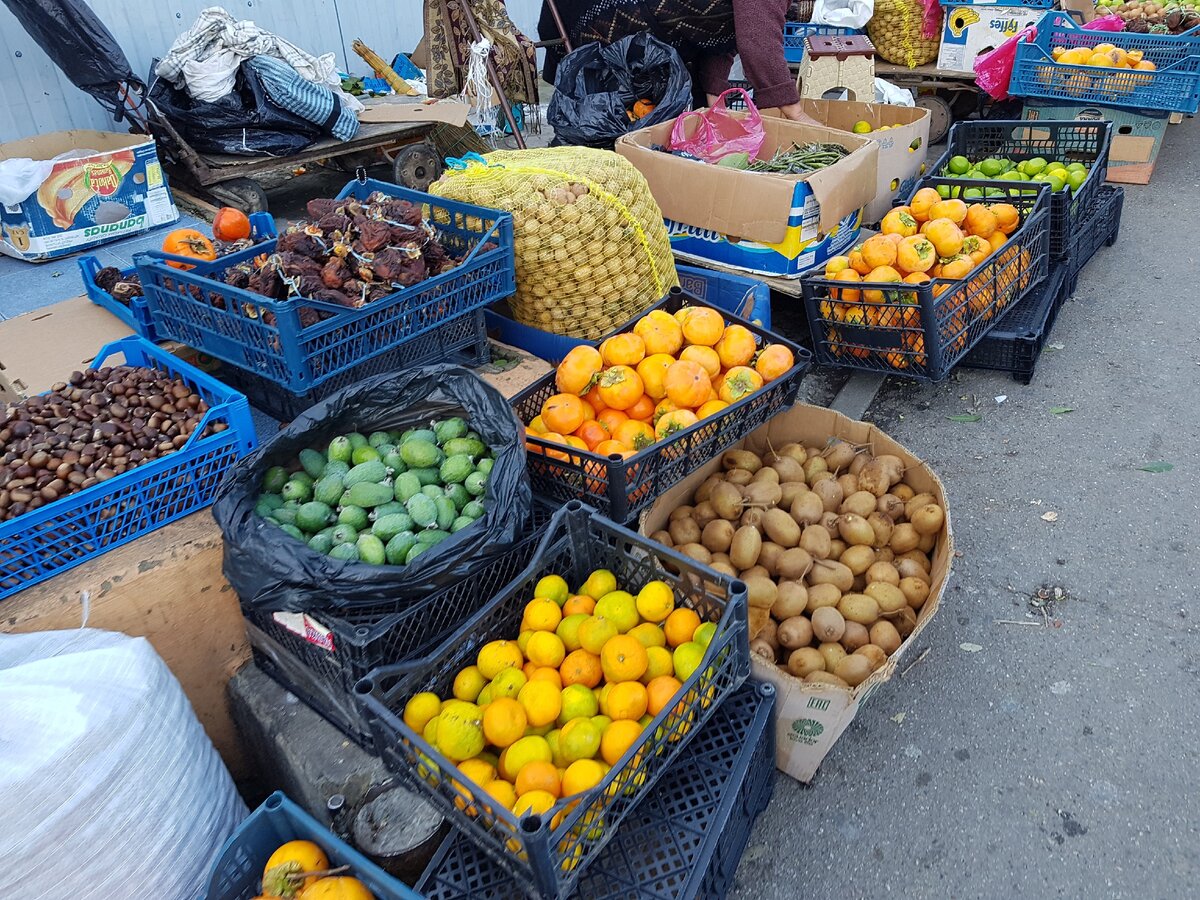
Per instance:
(36,98)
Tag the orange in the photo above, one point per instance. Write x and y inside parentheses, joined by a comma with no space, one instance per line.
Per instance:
(736,346)
(579,603)
(547,674)
(545,649)
(504,722)
(623,658)
(954,210)
(706,356)
(626,349)
(610,419)
(581,775)
(980,221)
(673,422)
(581,667)
(857,263)
(740,381)
(592,433)
(542,702)
(703,326)
(945,236)
(681,625)
(774,361)
(538,775)
(878,251)
(659,332)
(534,803)
(916,254)
(652,370)
(577,369)
(627,700)
(619,386)
(618,737)
(1007,217)
(901,221)
(642,410)
(542,614)
(562,413)
(687,384)
(660,692)
(634,435)
(850,296)
(711,408)
(922,201)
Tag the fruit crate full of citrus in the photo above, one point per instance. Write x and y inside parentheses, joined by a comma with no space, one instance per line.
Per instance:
(916,298)
(1147,71)
(619,422)
(539,726)
(1070,156)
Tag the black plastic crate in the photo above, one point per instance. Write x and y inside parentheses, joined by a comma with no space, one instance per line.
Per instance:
(683,841)
(1016,342)
(547,853)
(462,341)
(922,331)
(1019,140)
(1099,229)
(319,656)
(619,487)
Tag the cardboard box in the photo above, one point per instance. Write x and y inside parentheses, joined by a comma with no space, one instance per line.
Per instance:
(758,222)
(809,718)
(969,30)
(902,147)
(1137,134)
(113,192)
(46,345)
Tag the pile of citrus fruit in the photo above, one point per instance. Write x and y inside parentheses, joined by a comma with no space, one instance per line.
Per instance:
(1056,173)
(1101,56)
(929,239)
(645,385)
(543,716)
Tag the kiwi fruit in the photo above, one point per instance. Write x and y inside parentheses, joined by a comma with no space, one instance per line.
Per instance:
(885,636)
(793,563)
(860,608)
(726,500)
(889,597)
(755,572)
(815,539)
(781,528)
(768,557)
(759,647)
(697,551)
(664,538)
(822,595)
(814,466)
(903,491)
(890,505)
(703,514)
(762,493)
(904,538)
(752,517)
(915,590)
(839,454)
(826,678)
(885,572)
(827,571)
(792,600)
(873,653)
(741,459)
(761,591)
(861,503)
(905,622)
(705,490)
(684,531)
(855,530)
(795,632)
(789,491)
(739,477)
(854,636)
(832,653)
(853,670)
(717,535)
(723,567)
(681,512)
(793,451)
(745,547)
(807,509)
(830,493)
(766,473)
(828,624)
(858,464)
(805,661)
(788,470)
(857,559)
(837,547)
(883,527)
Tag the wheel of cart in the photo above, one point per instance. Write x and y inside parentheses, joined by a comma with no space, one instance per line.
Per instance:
(949,96)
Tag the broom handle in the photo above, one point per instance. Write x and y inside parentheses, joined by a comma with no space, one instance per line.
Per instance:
(493,76)
(550,4)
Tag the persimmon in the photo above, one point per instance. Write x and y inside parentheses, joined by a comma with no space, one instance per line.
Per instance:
(642,410)
(703,326)
(563,413)
(736,346)
(882,275)
(1008,219)
(664,407)
(610,447)
(552,437)
(634,435)
(740,381)
(922,202)
(980,220)
(712,407)
(899,220)
(620,386)
(592,433)
(997,240)
(188,242)
(857,263)
(706,356)
(847,294)
(674,422)
(957,266)
(878,251)
(610,419)
(916,254)
(575,373)
(945,235)
(954,210)
(687,384)
(626,349)
(659,332)
(774,360)
(652,370)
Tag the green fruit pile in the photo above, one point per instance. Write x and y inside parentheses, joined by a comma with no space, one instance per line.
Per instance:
(382,498)
(1057,174)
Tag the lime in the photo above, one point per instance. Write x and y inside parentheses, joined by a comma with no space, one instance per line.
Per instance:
(1034,166)
(993,192)
(1011,175)
(1077,167)
(944,191)
(972,194)
(1057,182)
(991,167)
(1055,167)
(1076,179)
(958,165)
(862,128)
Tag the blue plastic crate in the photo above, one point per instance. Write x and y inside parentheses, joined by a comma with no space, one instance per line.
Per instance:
(1175,86)
(237,872)
(137,314)
(794,34)
(265,337)
(547,853)
(60,535)
(742,296)
(683,841)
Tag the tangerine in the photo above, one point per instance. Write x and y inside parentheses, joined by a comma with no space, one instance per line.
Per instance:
(581,775)
(496,656)
(504,722)
(660,692)
(681,625)
(660,663)
(579,603)
(545,649)
(581,667)
(542,614)
(542,702)
(617,738)
(623,658)
(627,700)
(538,775)
(533,803)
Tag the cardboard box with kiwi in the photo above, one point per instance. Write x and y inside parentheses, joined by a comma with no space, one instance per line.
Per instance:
(811,715)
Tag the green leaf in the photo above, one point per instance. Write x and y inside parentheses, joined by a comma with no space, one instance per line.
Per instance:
(966,417)
(1059,410)
(1156,467)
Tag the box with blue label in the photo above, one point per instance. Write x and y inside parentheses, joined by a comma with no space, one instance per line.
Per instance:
(80,189)
(1137,134)
(771,224)
(969,30)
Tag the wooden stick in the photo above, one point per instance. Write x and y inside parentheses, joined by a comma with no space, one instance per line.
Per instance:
(494,76)
(553,7)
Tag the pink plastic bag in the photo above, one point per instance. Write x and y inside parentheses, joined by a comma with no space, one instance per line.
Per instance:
(719,132)
(993,69)
(931,22)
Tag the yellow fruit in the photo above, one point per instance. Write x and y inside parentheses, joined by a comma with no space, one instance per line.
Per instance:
(520,754)
(599,583)
(498,655)
(687,658)
(577,701)
(649,634)
(581,775)
(552,587)
(429,732)
(533,803)
(618,737)
(424,706)
(460,730)
(704,634)
(595,633)
(554,739)
(504,722)
(658,662)
(627,700)
(478,770)
(579,739)
(542,702)
(546,649)
(655,601)
(538,776)
(292,858)
(507,684)
(502,791)
(568,631)
(542,614)
(620,608)
(623,658)
(601,722)
(337,887)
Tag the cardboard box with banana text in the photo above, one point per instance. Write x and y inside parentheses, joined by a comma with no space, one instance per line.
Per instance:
(810,717)
(112,188)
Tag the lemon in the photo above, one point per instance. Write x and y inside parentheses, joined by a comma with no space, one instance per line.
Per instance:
(523,752)
(508,683)
(620,608)
(568,631)
(654,602)
(704,634)
(533,803)
(862,128)
(687,658)
(468,683)
(579,739)
(460,730)
(421,708)
(496,656)
(553,587)
(599,583)
(577,701)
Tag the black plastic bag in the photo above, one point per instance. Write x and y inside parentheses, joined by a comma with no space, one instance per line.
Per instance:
(597,85)
(244,122)
(274,572)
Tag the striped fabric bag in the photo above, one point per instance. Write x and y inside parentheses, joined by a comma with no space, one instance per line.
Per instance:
(314,102)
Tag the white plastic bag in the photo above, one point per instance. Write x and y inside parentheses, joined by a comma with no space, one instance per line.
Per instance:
(20,177)
(213,77)
(886,92)
(843,13)
(112,788)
